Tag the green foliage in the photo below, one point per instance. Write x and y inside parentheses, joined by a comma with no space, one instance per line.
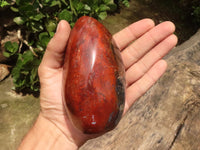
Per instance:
(25,72)
(191,8)
(125,2)
(11,48)
(196,13)
(4,3)
(38,20)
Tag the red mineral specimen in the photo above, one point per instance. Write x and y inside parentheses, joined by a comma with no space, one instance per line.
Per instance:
(93,79)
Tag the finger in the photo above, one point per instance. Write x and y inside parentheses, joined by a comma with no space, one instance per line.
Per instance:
(142,45)
(137,89)
(54,54)
(145,63)
(132,32)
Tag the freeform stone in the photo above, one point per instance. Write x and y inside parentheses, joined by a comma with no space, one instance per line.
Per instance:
(94,84)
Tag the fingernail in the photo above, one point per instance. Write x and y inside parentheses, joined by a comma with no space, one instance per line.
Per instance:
(58,27)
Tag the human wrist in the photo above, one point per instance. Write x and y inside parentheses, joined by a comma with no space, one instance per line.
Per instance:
(45,135)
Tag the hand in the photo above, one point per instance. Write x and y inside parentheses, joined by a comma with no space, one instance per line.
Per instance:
(143,58)
(142,47)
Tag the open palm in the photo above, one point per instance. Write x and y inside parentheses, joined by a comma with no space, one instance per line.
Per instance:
(142,46)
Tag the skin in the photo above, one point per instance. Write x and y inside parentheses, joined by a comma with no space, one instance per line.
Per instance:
(142,46)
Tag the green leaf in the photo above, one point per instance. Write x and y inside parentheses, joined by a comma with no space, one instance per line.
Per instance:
(22,2)
(126,3)
(4,3)
(102,15)
(75,3)
(40,48)
(44,38)
(111,4)
(17,2)
(37,17)
(33,75)
(72,24)
(22,71)
(86,7)
(54,3)
(79,7)
(36,26)
(11,48)
(51,34)
(83,9)
(64,2)
(47,1)
(27,56)
(19,20)
(6,54)
(8,46)
(14,9)
(108,1)
(65,15)
(103,8)
(27,10)
(15,47)
(50,26)
(89,2)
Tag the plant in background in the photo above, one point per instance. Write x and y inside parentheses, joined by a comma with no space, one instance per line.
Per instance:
(4,3)
(37,20)
(125,2)
(196,13)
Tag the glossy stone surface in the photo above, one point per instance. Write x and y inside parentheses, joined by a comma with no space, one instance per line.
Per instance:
(93,79)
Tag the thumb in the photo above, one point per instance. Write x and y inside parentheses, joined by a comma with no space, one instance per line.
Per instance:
(54,54)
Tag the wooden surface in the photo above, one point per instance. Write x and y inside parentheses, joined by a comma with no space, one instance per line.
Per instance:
(167,117)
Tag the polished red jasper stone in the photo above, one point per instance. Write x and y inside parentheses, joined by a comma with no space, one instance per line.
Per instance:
(93,79)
